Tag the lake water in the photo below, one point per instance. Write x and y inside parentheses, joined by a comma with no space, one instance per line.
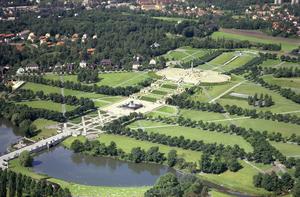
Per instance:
(63,164)
(8,135)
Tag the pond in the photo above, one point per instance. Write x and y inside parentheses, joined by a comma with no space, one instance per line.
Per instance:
(63,164)
(9,134)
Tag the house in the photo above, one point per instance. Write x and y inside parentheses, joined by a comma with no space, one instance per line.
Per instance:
(20,71)
(136,65)
(31,37)
(155,45)
(106,62)
(32,67)
(91,51)
(152,62)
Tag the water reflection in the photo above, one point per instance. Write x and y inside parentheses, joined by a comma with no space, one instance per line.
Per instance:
(83,169)
(8,134)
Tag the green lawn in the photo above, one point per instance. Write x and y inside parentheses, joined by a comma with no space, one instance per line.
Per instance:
(45,130)
(289,150)
(293,82)
(201,115)
(241,180)
(221,59)
(192,133)
(49,105)
(114,79)
(240,61)
(281,104)
(185,54)
(50,89)
(286,46)
(215,193)
(173,19)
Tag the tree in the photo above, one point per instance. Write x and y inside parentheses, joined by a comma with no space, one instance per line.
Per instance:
(166,185)
(172,158)
(137,155)
(25,159)
(77,146)
(296,189)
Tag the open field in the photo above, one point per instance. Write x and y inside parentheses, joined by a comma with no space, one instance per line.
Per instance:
(173,19)
(222,59)
(165,111)
(278,64)
(281,104)
(293,82)
(191,133)
(185,54)
(215,193)
(241,180)
(211,91)
(254,36)
(240,61)
(115,79)
(81,190)
(49,105)
(289,150)
(99,99)
(45,128)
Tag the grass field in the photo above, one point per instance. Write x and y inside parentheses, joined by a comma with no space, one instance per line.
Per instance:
(173,19)
(81,190)
(185,54)
(240,61)
(281,104)
(213,91)
(221,59)
(45,130)
(278,64)
(50,89)
(241,180)
(215,193)
(293,83)
(120,79)
(49,105)
(165,111)
(289,150)
(192,133)
(286,46)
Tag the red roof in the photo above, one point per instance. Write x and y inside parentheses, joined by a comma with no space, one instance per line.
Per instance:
(7,35)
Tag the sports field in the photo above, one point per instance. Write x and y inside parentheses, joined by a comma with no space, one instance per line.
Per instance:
(49,105)
(252,37)
(191,133)
(114,79)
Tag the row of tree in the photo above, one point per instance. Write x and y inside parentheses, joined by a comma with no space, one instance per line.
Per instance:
(13,184)
(182,101)
(107,90)
(282,72)
(25,94)
(263,151)
(272,182)
(87,76)
(136,155)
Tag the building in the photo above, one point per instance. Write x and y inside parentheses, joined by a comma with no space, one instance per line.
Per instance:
(106,62)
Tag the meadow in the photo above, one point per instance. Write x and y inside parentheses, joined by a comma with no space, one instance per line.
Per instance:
(185,54)
(293,82)
(286,45)
(49,105)
(114,79)
(191,133)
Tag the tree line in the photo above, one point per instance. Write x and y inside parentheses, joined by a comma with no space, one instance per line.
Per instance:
(25,94)
(182,101)
(16,184)
(136,155)
(107,90)
(282,72)
(87,76)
